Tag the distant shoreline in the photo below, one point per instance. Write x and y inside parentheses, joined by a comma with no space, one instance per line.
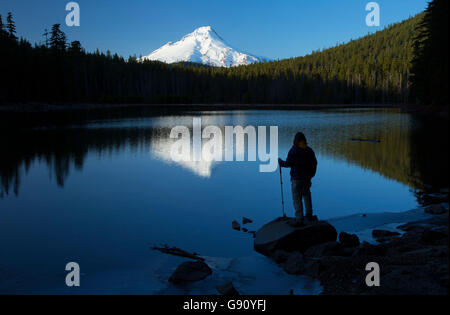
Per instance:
(43,107)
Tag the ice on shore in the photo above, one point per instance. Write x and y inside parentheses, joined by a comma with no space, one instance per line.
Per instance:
(251,275)
(254,274)
(363,224)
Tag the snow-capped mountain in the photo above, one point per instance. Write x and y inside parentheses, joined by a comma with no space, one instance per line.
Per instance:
(204,46)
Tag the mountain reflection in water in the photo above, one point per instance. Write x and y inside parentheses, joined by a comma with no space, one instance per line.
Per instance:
(412,150)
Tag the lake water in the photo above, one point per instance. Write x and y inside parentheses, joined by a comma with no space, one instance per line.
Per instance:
(101,192)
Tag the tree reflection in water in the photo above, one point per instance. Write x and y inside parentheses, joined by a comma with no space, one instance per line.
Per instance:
(412,150)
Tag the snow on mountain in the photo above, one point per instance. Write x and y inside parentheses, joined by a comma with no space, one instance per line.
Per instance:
(204,46)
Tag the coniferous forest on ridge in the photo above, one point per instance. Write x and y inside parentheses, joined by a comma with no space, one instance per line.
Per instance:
(405,63)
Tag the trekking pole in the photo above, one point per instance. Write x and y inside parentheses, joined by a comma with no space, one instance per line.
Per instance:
(282,194)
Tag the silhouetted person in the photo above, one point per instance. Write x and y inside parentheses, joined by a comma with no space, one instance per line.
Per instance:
(303,164)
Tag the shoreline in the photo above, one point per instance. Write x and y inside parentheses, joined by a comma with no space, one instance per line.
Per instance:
(26,108)
(412,253)
(43,107)
(256,274)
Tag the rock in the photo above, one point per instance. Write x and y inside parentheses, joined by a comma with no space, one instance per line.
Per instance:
(312,268)
(299,264)
(235,226)
(279,256)
(412,226)
(325,249)
(383,233)
(294,263)
(348,240)
(408,264)
(190,271)
(437,196)
(329,249)
(430,235)
(384,239)
(435,209)
(430,199)
(227,289)
(411,280)
(279,235)
(367,249)
(246,221)
(345,251)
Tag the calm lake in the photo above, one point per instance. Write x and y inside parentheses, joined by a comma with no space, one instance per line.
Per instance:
(102,191)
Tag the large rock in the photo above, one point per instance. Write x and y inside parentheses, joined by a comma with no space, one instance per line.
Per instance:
(436,209)
(370,250)
(299,264)
(348,240)
(329,249)
(190,271)
(294,263)
(432,235)
(430,199)
(384,233)
(325,249)
(280,235)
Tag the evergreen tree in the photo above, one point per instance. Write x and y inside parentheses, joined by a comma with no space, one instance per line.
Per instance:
(430,65)
(46,37)
(374,69)
(58,38)
(75,48)
(3,32)
(11,26)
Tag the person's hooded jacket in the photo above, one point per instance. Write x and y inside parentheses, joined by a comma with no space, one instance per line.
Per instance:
(303,163)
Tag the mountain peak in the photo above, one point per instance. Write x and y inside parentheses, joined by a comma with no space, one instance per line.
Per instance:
(203,29)
(204,46)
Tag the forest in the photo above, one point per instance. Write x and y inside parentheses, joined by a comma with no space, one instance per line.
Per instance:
(405,63)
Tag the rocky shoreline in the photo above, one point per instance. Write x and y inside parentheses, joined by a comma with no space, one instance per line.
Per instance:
(412,257)
(413,262)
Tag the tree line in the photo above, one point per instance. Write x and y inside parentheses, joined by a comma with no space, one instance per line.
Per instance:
(430,63)
(375,69)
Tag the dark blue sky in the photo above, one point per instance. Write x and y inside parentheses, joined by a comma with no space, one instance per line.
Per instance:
(275,29)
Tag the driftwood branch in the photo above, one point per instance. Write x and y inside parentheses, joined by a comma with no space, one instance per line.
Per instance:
(365,140)
(178,252)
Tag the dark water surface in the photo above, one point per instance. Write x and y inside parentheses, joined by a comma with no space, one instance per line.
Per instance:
(101,192)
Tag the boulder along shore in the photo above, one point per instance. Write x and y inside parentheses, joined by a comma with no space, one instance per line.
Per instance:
(412,261)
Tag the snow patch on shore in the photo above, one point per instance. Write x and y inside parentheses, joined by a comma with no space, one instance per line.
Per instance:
(363,224)
(250,275)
